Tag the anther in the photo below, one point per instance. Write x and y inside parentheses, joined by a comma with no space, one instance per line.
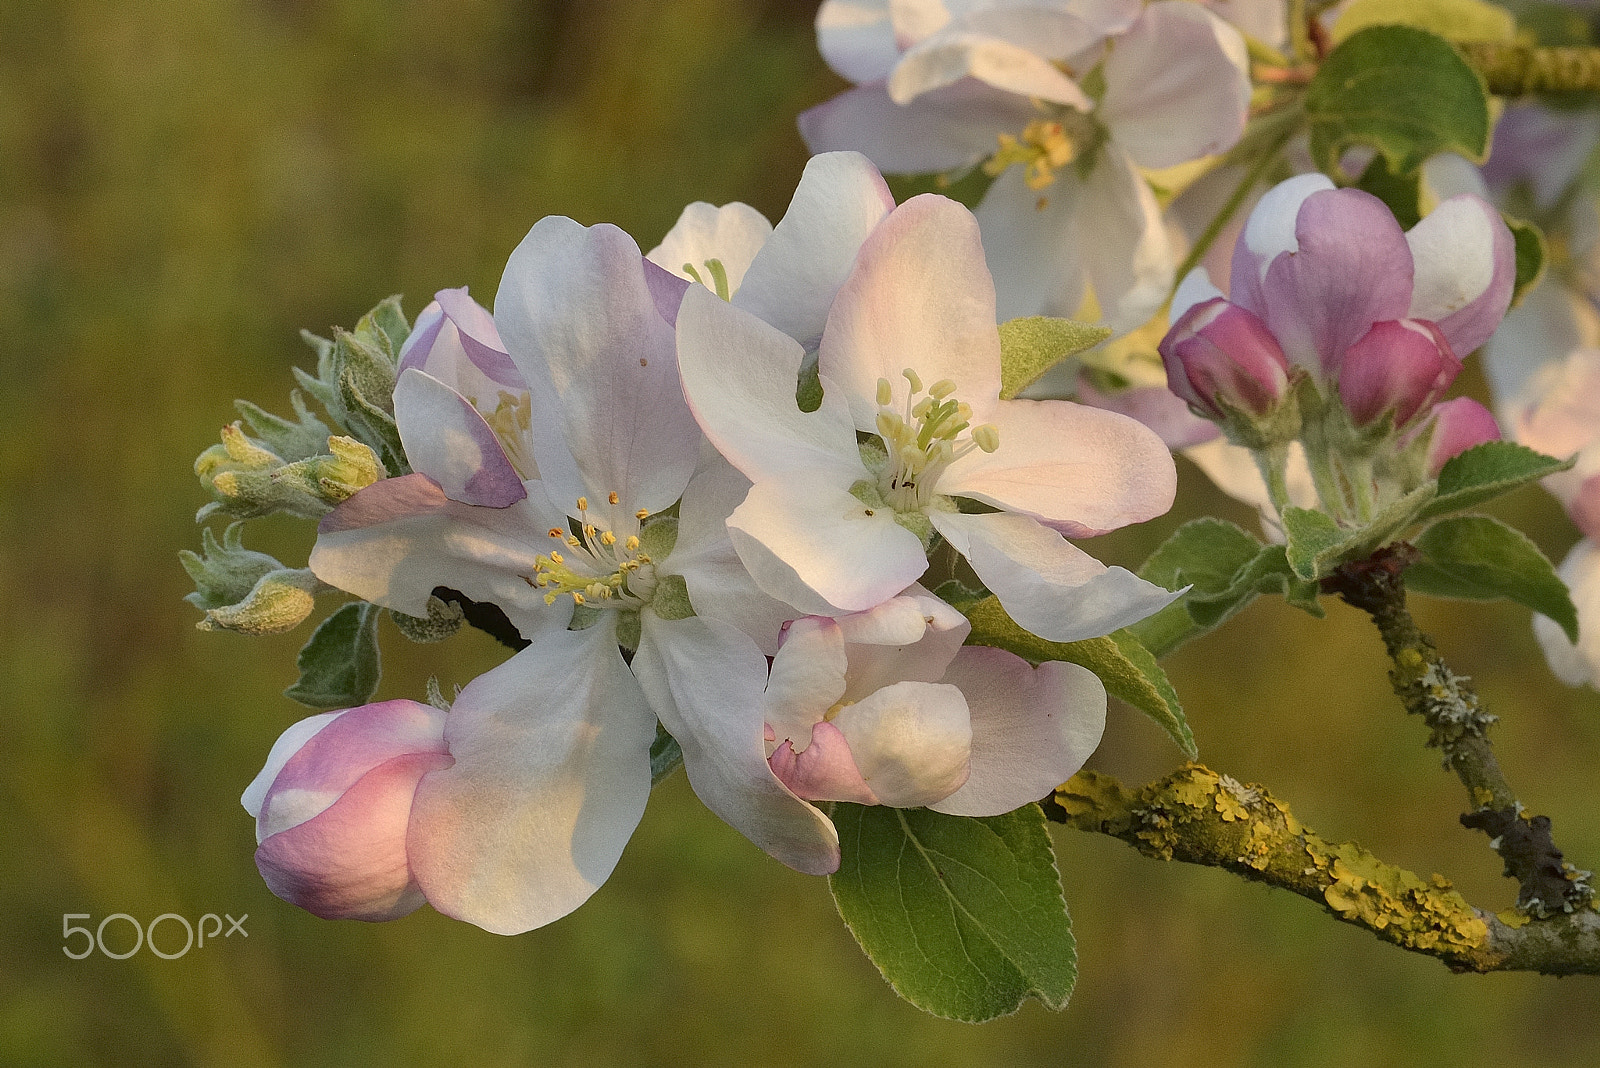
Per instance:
(885,392)
(941,389)
(557,532)
(986,437)
(583,504)
(608,538)
(641,514)
(612,497)
(916,382)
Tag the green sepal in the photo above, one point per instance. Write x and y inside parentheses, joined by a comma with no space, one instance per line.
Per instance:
(964,917)
(1486,471)
(387,318)
(1031,346)
(305,436)
(339,666)
(1405,92)
(671,598)
(372,425)
(665,755)
(808,387)
(279,601)
(1317,545)
(225,573)
(1478,558)
(1531,256)
(1127,669)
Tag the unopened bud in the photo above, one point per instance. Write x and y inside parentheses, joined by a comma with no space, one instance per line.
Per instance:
(226,573)
(1224,360)
(1458,425)
(1398,367)
(279,601)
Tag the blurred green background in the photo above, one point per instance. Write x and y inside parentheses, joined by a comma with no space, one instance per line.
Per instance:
(184,184)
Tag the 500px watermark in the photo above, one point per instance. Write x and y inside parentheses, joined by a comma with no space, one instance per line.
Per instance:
(146,935)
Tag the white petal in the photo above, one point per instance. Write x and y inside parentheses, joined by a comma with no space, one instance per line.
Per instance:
(447,439)
(1551,319)
(792,283)
(808,542)
(1196,288)
(938,131)
(1464,267)
(808,678)
(731,234)
(704,680)
(910,638)
(1031,245)
(552,772)
(856,38)
(288,744)
(719,585)
(1177,86)
(947,58)
(580,319)
(740,376)
(1046,584)
(1032,728)
(910,741)
(1576,665)
(1131,259)
(920,297)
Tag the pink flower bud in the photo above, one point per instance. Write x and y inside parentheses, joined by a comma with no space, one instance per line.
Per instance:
(1220,356)
(333,805)
(1398,366)
(1458,425)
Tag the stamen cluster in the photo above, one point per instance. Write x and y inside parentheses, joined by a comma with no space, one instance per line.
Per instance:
(923,440)
(614,561)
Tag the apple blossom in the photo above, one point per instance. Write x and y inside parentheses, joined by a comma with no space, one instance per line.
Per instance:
(552,765)
(941,87)
(333,809)
(885,707)
(911,356)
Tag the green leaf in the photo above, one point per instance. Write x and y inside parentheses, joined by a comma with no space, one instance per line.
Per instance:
(1479,559)
(1204,552)
(1401,193)
(339,665)
(1128,670)
(1317,545)
(1031,346)
(1455,20)
(665,755)
(1404,91)
(964,917)
(1531,259)
(1486,471)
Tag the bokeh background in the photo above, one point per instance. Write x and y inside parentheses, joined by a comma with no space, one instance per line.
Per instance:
(184,184)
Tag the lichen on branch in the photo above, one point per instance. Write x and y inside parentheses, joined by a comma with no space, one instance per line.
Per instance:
(1201,817)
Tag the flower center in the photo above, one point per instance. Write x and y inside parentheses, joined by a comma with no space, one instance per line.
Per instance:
(599,569)
(924,439)
(512,423)
(1042,147)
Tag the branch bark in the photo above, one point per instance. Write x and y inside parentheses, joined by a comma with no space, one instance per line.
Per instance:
(1201,817)
(1519,69)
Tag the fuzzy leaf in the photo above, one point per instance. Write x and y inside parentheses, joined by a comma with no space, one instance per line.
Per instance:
(339,666)
(1479,559)
(1317,545)
(1486,471)
(1128,670)
(1029,347)
(1405,92)
(1531,259)
(665,755)
(964,917)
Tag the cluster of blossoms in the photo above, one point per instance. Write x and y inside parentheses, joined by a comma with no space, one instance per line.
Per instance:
(1339,335)
(617,458)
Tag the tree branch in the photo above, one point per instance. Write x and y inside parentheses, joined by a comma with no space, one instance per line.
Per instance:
(1458,726)
(1200,817)
(1519,69)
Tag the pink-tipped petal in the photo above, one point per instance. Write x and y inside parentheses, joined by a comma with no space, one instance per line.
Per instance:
(1177,86)
(824,770)
(1046,584)
(1458,425)
(552,771)
(704,681)
(909,638)
(455,341)
(793,280)
(807,679)
(447,439)
(1032,728)
(1395,367)
(1078,469)
(1268,232)
(1465,270)
(287,745)
(920,296)
(1220,356)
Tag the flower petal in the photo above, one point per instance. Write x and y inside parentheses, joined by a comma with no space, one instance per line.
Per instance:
(1177,86)
(740,376)
(552,771)
(447,439)
(394,541)
(792,283)
(909,741)
(1353,268)
(1465,269)
(1048,585)
(1158,408)
(731,234)
(807,679)
(947,58)
(1576,665)
(938,131)
(808,542)
(920,296)
(580,319)
(287,745)
(856,38)
(1081,470)
(824,770)
(909,638)
(1032,728)
(1269,231)
(704,681)
(455,341)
